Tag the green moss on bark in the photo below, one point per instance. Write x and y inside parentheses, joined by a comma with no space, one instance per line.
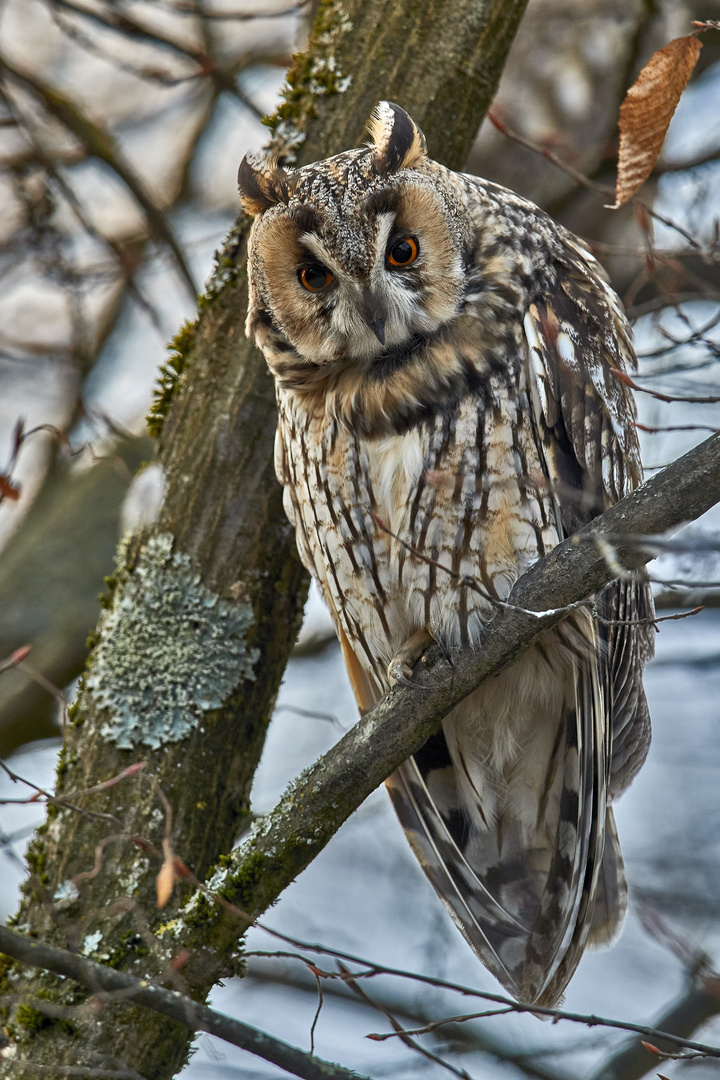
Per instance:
(33,1021)
(313,74)
(170,377)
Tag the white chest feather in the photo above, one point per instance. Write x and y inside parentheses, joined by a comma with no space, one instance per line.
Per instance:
(392,526)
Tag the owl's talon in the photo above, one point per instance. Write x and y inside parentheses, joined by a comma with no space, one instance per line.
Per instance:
(399,671)
(401,666)
(440,642)
(413,685)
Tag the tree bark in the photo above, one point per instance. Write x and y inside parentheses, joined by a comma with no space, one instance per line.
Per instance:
(207,601)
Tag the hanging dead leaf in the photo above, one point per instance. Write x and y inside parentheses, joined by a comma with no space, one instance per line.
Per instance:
(165,881)
(647,110)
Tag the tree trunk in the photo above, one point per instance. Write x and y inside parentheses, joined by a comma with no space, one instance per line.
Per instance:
(207,602)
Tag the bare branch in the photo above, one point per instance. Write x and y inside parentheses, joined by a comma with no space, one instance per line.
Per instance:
(669,398)
(585,181)
(698,1004)
(370,970)
(101,979)
(99,143)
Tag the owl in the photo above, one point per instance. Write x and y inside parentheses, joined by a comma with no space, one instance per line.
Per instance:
(443,359)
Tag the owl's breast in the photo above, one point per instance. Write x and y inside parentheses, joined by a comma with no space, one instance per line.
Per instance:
(415,530)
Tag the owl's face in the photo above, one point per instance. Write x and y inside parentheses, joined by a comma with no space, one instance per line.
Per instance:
(357,258)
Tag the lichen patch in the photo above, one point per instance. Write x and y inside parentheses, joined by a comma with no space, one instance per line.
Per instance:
(170,650)
(91,943)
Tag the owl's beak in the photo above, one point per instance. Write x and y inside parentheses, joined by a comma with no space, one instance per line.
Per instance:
(375,316)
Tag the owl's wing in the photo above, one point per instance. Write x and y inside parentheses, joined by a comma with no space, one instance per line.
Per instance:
(584,418)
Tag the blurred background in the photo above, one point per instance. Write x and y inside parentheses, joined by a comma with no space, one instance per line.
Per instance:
(122,123)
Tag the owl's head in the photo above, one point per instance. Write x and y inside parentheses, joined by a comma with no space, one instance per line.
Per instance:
(359,257)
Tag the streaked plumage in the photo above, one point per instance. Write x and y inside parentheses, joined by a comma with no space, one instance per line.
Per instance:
(462,396)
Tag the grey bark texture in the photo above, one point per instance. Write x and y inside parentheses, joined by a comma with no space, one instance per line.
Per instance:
(207,602)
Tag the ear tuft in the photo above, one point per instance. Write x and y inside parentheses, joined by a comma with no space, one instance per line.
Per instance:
(262,184)
(396,140)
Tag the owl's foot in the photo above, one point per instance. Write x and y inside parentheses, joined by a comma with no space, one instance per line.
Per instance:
(401,666)
(443,647)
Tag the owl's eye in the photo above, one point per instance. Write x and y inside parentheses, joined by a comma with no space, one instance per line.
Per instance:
(314,278)
(403,252)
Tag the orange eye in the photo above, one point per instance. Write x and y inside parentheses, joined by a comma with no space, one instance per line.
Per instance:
(403,252)
(314,278)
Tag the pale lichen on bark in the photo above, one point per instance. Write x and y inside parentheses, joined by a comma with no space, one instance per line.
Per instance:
(170,649)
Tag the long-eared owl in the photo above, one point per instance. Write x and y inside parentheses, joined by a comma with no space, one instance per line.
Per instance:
(442,354)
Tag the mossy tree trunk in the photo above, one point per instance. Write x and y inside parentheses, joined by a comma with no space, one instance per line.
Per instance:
(207,602)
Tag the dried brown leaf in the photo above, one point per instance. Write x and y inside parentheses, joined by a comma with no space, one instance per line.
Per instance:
(647,110)
(165,881)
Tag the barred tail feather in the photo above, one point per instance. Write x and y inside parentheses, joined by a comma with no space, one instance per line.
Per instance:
(512,838)
(610,899)
(486,925)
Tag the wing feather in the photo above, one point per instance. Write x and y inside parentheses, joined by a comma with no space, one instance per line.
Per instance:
(576,335)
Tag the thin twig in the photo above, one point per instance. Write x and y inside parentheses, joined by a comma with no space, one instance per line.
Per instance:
(585,181)
(169,1003)
(404,1036)
(469,582)
(317,1014)
(625,378)
(99,143)
(371,970)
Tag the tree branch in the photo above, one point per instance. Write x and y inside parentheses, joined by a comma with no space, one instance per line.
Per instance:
(697,1005)
(100,979)
(97,142)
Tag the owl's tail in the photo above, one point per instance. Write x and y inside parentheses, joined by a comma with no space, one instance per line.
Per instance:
(506,811)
